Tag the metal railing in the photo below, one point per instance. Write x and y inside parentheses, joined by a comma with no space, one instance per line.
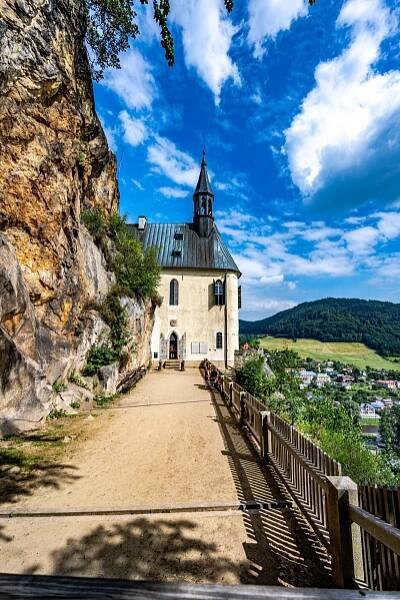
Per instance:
(358,525)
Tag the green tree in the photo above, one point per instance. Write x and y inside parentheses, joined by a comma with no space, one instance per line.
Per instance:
(111,23)
(252,376)
(389,429)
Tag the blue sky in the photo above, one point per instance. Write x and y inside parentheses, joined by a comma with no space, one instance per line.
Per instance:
(299,110)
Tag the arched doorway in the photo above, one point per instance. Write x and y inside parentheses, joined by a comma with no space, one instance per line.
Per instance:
(173,346)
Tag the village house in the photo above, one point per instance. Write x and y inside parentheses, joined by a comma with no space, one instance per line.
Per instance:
(389,384)
(199,314)
(322,379)
(367,410)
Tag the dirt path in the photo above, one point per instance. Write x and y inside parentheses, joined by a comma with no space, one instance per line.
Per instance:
(171,441)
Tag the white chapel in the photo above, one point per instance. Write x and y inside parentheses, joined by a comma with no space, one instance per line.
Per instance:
(199,314)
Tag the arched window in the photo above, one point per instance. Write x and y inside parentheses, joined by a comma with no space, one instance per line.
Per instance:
(219,292)
(173,292)
(219,340)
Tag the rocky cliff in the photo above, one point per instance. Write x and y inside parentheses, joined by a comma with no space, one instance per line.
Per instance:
(54,162)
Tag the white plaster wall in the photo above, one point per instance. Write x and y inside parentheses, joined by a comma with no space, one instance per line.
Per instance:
(197,316)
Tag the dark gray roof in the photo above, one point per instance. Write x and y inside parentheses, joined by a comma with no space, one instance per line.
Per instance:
(179,246)
(203,185)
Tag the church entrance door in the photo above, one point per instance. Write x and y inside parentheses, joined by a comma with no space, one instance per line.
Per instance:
(173,346)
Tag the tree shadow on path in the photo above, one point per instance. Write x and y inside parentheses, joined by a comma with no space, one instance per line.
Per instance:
(19,478)
(151,549)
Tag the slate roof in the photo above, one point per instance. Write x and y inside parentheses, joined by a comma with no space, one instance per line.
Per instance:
(203,185)
(179,246)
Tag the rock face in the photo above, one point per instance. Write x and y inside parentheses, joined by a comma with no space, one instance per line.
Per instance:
(54,161)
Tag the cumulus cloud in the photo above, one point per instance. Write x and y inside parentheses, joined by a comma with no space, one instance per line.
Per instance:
(207,37)
(171,192)
(268,17)
(167,159)
(135,130)
(133,82)
(344,145)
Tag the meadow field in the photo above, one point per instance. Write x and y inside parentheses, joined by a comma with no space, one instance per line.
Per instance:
(346,352)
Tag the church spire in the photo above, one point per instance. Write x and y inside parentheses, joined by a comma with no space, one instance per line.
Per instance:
(203,185)
(203,199)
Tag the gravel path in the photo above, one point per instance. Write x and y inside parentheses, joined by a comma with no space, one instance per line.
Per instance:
(169,442)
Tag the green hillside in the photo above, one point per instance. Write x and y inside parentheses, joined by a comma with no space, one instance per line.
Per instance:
(346,352)
(370,322)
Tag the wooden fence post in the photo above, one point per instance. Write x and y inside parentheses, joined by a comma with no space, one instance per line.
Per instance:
(242,407)
(265,435)
(345,536)
(230,394)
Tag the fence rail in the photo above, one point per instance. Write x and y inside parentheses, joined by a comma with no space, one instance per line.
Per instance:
(359,526)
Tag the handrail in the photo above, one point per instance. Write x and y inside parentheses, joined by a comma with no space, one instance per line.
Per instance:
(383,532)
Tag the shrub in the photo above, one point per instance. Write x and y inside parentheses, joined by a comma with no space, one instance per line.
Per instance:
(95,222)
(114,314)
(56,413)
(136,269)
(104,400)
(252,376)
(75,405)
(99,356)
(59,386)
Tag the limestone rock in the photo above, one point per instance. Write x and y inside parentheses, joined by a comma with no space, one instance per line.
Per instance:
(108,378)
(54,163)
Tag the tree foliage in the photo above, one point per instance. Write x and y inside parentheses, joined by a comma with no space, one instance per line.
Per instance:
(111,23)
(136,269)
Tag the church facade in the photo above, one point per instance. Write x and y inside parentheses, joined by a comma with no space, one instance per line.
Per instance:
(199,314)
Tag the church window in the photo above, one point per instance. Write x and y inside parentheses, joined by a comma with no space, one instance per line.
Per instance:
(240,296)
(173,292)
(219,340)
(219,292)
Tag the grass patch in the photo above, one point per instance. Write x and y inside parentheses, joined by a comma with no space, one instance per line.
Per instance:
(346,352)
(105,400)
(371,421)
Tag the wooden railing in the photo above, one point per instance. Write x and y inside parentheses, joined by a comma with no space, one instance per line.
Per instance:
(380,536)
(357,525)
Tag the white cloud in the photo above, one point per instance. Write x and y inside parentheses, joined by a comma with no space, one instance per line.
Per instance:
(207,36)
(138,184)
(171,192)
(167,159)
(268,17)
(258,308)
(135,130)
(344,145)
(133,82)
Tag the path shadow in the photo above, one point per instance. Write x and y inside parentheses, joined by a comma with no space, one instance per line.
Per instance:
(283,549)
(150,549)
(19,479)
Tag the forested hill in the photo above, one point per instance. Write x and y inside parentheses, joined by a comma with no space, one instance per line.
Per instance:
(374,323)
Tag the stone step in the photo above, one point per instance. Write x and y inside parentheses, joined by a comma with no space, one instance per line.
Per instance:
(172,364)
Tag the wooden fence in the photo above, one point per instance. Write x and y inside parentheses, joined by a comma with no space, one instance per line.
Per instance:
(357,525)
